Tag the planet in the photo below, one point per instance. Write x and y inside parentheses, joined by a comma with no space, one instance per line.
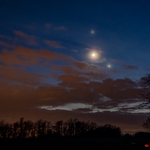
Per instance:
(92,32)
(109,66)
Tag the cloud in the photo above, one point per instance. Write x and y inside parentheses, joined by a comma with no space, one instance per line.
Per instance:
(86,66)
(83,69)
(73,50)
(20,76)
(78,89)
(53,55)
(48,25)
(81,65)
(92,101)
(6,44)
(69,106)
(28,39)
(53,44)
(70,79)
(89,108)
(60,28)
(129,67)
(5,37)
(130,123)
(116,60)
(79,82)
(20,56)
(27,56)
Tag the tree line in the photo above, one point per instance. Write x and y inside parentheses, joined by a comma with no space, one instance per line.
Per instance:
(44,129)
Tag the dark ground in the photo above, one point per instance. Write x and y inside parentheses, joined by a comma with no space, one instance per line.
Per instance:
(73,144)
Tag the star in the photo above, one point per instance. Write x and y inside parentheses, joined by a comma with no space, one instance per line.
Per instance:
(92,31)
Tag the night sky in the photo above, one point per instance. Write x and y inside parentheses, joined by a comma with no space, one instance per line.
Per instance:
(85,59)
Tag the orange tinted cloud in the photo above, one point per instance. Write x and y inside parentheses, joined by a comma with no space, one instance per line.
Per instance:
(48,25)
(20,56)
(70,70)
(23,92)
(70,78)
(91,74)
(52,55)
(19,75)
(52,44)
(6,44)
(86,66)
(28,39)
(27,56)
(5,37)
(60,28)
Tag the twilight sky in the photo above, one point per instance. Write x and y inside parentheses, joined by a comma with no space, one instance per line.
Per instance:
(85,59)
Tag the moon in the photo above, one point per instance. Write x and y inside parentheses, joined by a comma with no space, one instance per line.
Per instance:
(93,55)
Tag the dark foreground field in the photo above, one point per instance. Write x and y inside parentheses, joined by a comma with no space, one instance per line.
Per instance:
(73,144)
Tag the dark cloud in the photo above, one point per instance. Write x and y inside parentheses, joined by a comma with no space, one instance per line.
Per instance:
(129,67)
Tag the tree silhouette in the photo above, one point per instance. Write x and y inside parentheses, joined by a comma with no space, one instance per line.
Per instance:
(21,124)
(15,129)
(108,131)
(42,129)
(28,127)
(146,93)
(58,128)
(4,129)
(146,124)
(146,84)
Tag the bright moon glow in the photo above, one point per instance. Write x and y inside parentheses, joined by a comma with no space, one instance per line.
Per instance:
(93,55)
